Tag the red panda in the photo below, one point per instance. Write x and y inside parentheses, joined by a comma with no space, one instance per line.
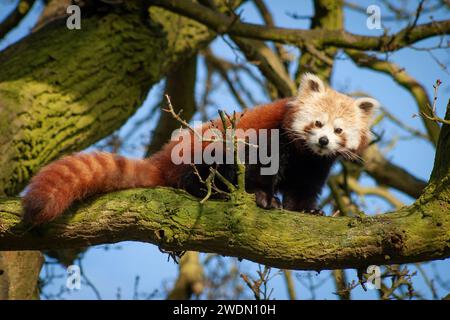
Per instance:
(316,127)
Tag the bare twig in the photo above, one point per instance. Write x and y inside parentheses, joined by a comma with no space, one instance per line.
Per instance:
(432,109)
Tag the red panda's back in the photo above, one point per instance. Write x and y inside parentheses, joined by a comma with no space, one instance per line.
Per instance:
(266,116)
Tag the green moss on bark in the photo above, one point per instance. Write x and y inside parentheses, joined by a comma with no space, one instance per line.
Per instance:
(177,221)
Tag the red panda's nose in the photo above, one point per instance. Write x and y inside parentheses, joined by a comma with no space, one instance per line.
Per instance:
(323,141)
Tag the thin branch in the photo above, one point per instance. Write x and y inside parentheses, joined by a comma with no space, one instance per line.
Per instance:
(413,131)
(389,174)
(399,14)
(432,109)
(14,18)
(289,284)
(222,68)
(269,63)
(381,192)
(429,282)
(400,76)
(180,85)
(269,21)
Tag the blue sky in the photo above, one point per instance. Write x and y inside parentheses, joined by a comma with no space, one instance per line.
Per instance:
(117,267)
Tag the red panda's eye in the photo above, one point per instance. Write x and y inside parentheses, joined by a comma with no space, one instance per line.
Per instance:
(338,130)
(318,124)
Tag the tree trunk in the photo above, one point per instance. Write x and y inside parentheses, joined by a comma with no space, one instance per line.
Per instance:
(19,274)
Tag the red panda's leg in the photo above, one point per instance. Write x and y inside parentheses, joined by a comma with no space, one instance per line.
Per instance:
(267,200)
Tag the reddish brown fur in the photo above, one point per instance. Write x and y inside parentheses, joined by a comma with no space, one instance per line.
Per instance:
(308,128)
(343,142)
(363,144)
(75,177)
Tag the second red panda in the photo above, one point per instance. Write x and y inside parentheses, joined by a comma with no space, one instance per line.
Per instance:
(316,127)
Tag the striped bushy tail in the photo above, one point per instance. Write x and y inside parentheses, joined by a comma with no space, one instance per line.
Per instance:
(78,176)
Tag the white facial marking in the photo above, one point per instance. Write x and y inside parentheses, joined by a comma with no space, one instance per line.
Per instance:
(303,119)
(307,117)
(353,136)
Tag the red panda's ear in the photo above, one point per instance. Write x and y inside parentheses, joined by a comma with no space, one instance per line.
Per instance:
(367,105)
(310,84)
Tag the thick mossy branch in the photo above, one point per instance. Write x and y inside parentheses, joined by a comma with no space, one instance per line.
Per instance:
(176,221)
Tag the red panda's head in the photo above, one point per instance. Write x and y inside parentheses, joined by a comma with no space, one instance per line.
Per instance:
(328,122)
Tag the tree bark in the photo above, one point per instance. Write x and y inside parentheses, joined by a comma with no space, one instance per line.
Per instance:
(180,86)
(190,279)
(19,274)
(328,15)
(176,221)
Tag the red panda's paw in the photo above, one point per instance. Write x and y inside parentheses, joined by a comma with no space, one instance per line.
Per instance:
(316,212)
(267,201)
(275,203)
(39,207)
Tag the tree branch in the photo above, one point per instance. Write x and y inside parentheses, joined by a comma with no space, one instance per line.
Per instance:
(269,64)
(222,23)
(14,18)
(180,86)
(328,15)
(266,15)
(176,221)
(190,278)
(387,173)
(400,76)
(19,274)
